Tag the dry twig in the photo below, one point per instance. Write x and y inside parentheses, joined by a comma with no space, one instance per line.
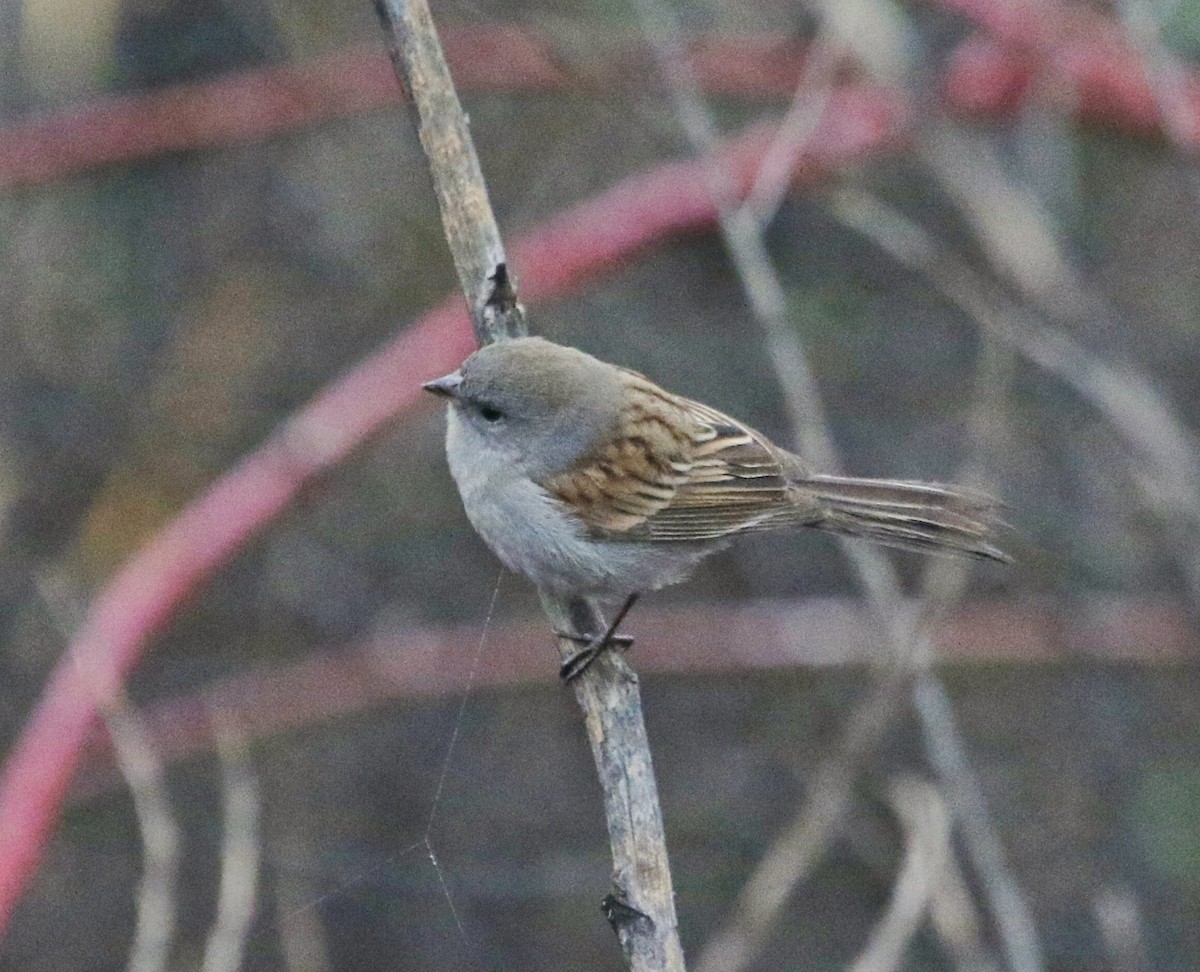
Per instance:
(925,823)
(641,908)
(746,245)
(241,852)
(143,770)
(1126,398)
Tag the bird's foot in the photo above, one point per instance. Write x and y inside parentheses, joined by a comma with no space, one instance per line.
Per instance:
(578,662)
(617,640)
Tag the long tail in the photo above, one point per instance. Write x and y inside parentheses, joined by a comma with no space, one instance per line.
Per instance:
(917,516)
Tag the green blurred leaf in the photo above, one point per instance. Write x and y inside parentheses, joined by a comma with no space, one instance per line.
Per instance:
(1181,28)
(1166,814)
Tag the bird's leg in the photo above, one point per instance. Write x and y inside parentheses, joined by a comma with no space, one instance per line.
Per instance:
(576,664)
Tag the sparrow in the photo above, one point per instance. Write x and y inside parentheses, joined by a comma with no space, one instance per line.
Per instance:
(592,481)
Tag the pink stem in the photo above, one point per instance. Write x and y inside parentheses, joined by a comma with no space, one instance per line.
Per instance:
(1094,71)
(255,104)
(430,662)
(554,261)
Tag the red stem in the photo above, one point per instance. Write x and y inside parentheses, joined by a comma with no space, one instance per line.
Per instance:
(256,104)
(1073,60)
(815,632)
(988,77)
(553,261)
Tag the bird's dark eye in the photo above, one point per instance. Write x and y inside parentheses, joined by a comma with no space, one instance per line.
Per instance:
(490,414)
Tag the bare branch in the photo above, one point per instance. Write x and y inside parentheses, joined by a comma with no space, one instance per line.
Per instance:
(746,245)
(445,133)
(926,825)
(240,852)
(143,769)
(641,908)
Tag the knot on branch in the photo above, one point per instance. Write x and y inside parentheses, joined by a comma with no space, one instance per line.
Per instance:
(620,914)
(503,317)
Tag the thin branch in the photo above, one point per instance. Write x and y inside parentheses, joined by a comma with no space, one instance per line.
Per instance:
(1126,398)
(809,104)
(642,907)
(142,767)
(800,845)
(143,770)
(925,823)
(746,245)
(241,852)
(467,218)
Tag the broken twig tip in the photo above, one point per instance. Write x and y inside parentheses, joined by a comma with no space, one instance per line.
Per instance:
(503,295)
(619,913)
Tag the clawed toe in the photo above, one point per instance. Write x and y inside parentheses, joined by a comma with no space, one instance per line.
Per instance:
(577,663)
(616,640)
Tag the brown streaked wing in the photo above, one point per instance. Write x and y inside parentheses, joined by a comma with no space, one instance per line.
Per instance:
(677,470)
(635,472)
(737,485)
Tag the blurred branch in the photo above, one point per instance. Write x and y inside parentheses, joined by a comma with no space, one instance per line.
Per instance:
(641,909)
(241,851)
(1100,73)
(1102,77)
(956,921)
(417,663)
(746,245)
(1127,399)
(802,843)
(143,770)
(809,103)
(1121,928)
(1175,88)
(925,823)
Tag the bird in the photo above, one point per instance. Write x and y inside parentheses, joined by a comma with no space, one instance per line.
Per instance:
(592,481)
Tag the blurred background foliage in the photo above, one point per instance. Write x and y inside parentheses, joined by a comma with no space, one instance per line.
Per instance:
(160,318)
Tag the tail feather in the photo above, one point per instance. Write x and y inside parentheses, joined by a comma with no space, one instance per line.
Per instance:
(918,516)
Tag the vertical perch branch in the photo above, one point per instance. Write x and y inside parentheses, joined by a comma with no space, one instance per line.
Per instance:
(641,908)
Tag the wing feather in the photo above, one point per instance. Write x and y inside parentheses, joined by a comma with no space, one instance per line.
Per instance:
(674,470)
(678,470)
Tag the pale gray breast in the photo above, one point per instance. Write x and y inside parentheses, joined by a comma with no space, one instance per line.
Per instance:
(532,534)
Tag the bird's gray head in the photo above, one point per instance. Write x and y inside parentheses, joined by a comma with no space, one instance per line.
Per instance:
(538,403)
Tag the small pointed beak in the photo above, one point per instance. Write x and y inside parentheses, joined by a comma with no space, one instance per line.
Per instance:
(446,386)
